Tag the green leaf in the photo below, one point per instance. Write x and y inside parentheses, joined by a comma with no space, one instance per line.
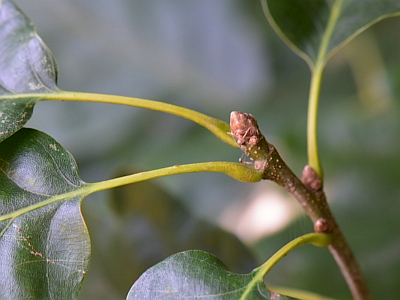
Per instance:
(28,74)
(44,243)
(27,66)
(316,28)
(196,274)
(143,225)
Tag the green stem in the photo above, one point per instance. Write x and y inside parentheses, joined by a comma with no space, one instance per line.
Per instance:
(217,127)
(237,171)
(315,88)
(312,122)
(317,239)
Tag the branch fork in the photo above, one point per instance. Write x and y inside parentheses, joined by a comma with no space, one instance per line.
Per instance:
(308,192)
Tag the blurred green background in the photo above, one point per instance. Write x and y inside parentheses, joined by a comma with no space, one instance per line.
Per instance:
(215,57)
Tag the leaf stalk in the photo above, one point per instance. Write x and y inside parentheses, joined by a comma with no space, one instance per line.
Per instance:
(315,89)
(237,171)
(312,122)
(317,239)
(217,127)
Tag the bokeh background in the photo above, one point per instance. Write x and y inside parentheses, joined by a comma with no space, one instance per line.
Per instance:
(215,57)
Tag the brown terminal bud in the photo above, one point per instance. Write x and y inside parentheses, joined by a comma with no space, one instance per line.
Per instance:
(322,225)
(244,128)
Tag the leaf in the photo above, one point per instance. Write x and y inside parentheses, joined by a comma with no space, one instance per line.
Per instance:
(317,28)
(146,224)
(27,66)
(196,274)
(44,243)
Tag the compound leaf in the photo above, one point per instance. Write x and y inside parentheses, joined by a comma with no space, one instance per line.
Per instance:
(44,243)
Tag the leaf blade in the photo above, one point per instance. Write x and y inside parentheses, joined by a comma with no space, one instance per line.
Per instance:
(27,66)
(304,25)
(196,274)
(45,249)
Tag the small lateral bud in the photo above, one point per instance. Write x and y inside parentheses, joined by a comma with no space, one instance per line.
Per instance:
(274,295)
(311,179)
(322,225)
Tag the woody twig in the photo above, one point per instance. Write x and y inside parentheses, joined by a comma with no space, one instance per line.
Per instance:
(308,192)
